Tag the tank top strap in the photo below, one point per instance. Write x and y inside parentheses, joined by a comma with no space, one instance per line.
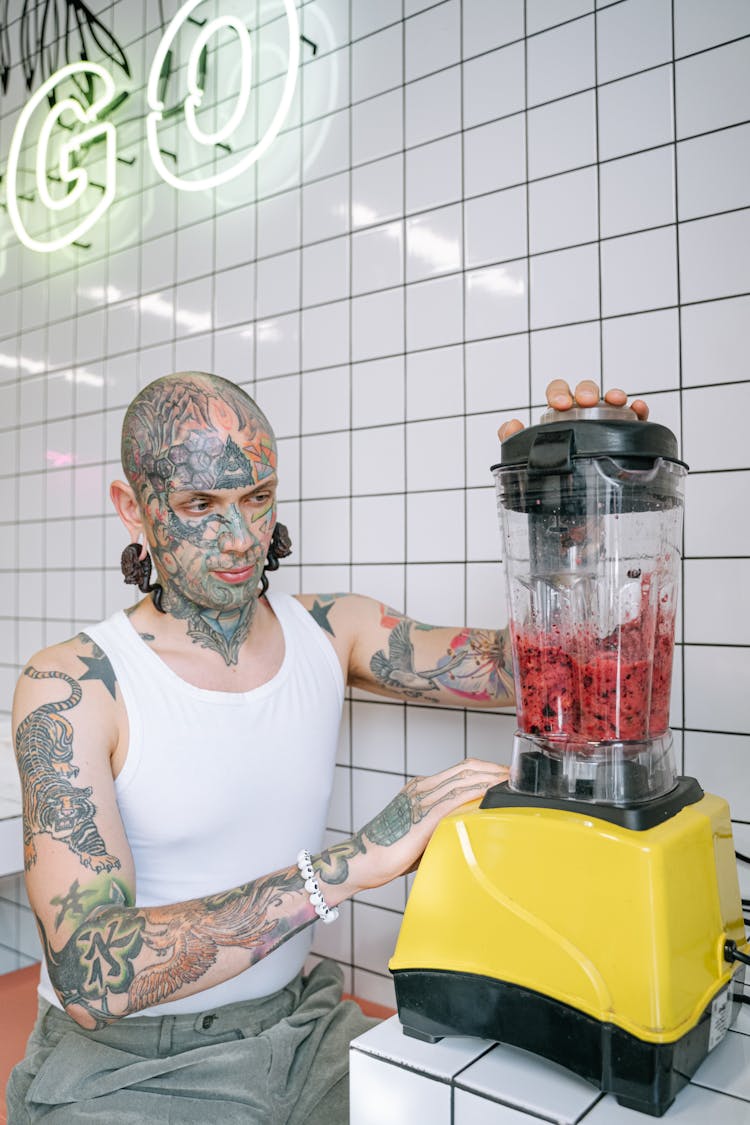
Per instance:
(297,622)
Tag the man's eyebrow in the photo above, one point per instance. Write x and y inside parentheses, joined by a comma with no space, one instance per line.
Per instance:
(183,494)
(266,482)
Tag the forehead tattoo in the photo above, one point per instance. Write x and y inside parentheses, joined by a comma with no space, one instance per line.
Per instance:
(193,433)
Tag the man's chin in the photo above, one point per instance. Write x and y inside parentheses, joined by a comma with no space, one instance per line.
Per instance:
(219,597)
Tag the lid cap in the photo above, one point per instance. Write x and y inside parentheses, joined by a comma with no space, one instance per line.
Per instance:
(587,436)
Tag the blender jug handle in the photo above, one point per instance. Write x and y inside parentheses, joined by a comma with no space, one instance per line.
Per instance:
(552,451)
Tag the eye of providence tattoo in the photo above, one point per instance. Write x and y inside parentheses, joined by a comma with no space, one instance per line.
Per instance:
(177,438)
(52,804)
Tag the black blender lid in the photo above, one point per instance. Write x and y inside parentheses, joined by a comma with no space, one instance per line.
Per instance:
(601,431)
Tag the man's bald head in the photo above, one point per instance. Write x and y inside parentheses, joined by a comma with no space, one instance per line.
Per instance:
(192,430)
(200,458)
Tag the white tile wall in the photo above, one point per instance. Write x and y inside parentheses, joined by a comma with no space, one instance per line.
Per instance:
(561,61)
(482,197)
(563,210)
(636,113)
(711,89)
(562,135)
(698,27)
(494,155)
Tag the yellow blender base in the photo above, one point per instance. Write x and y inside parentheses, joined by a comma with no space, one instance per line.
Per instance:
(600,946)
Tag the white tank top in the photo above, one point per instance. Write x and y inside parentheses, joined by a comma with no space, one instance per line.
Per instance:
(219,788)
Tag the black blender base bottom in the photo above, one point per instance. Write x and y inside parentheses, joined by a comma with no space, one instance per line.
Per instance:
(422,1036)
(641,1076)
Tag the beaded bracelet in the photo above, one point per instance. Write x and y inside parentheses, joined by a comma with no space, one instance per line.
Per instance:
(325,912)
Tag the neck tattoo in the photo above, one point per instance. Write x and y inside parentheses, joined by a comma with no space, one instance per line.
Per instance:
(220,631)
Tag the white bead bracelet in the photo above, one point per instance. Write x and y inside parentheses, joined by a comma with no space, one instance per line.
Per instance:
(325,912)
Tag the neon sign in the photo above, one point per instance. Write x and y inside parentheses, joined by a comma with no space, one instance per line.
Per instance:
(64,203)
(70,174)
(195,96)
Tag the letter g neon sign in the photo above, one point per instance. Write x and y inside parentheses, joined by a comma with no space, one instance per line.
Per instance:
(75,177)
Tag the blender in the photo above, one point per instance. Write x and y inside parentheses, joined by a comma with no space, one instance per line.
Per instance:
(591,511)
(589,908)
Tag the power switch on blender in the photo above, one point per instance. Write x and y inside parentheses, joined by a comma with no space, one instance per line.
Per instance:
(577,912)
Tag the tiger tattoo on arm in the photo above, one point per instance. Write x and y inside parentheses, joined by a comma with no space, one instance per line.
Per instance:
(52,804)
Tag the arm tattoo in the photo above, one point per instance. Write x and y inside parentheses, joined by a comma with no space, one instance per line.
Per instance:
(148,954)
(476,665)
(479,665)
(52,804)
(415,801)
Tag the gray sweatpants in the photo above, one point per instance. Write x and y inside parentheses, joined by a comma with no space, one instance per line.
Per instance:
(282,1060)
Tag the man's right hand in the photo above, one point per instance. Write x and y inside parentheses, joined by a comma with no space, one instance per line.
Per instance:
(392,843)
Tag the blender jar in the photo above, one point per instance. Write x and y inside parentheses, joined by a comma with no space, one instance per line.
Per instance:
(590,504)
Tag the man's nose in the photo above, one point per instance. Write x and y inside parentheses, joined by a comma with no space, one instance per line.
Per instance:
(235,535)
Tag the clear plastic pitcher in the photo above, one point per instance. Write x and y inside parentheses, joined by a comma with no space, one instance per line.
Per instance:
(591,515)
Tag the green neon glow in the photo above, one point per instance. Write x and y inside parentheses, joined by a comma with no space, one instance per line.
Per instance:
(76,177)
(193,99)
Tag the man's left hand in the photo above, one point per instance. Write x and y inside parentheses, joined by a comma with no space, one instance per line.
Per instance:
(560,397)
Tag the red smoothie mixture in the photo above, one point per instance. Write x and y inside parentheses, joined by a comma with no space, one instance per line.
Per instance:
(596,688)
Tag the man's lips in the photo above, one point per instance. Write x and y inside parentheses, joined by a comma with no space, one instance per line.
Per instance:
(236,576)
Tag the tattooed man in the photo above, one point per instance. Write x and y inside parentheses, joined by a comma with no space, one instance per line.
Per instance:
(178,758)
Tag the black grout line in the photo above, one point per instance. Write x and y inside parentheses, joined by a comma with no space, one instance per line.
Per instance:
(602,375)
(681,400)
(464,366)
(354,167)
(529,348)
(418,282)
(349,712)
(525,405)
(404,264)
(131,43)
(106,513)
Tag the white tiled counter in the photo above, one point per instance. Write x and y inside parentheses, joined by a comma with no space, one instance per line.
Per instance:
(19,939)
(462,1081)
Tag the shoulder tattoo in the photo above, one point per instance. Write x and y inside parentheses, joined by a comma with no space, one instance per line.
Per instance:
(98,665)
(52,804)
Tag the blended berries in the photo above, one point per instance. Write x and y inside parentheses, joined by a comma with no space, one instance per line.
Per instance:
(597,689)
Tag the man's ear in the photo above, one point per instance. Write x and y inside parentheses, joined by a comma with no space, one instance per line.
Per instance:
(127,508)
